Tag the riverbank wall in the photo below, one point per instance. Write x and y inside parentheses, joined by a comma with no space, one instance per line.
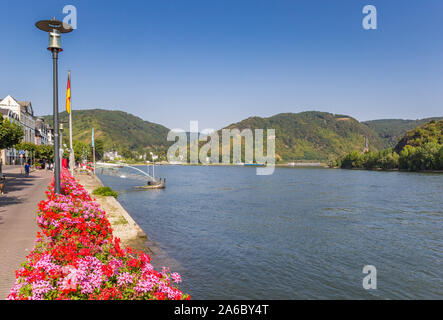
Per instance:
(123,225)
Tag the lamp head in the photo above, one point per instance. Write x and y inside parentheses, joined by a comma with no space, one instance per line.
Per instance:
(54,28)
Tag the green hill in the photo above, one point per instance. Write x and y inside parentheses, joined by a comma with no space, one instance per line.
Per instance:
(431,132)
(391,130)
(118,130)
(314,135)
(309,135)
(419,149)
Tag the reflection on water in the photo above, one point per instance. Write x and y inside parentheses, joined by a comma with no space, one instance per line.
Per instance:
(297,234)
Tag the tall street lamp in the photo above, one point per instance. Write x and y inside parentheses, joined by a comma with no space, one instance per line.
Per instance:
(55,28)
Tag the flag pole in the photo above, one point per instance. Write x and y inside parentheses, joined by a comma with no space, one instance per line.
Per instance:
(93,149)
(93,154)
(71,153)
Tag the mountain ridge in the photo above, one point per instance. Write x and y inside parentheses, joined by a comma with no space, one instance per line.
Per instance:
(117,129)
(392,130)
(313,135)
(307,135)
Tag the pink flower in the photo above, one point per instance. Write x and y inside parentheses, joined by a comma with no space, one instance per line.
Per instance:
(144,286)
(124,278)
(176,277)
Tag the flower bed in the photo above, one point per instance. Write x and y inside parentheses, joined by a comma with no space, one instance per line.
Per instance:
(77,257)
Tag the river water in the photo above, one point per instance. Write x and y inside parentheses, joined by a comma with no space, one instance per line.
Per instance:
(296,234)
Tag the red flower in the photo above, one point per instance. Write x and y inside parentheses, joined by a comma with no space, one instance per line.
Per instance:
(133,263)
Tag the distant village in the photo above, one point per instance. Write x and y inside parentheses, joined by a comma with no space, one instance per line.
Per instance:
(35,129)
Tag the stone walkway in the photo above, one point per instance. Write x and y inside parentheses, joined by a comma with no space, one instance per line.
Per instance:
(18,227)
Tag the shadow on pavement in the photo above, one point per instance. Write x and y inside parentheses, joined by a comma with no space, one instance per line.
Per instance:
(15,182)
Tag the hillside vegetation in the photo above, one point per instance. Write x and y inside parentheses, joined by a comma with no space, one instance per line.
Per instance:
(391,130)
(314,135)
(419,149)
(428,133)
(309,135)
(117,129)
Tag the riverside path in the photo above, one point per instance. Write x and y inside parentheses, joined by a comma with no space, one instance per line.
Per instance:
(18,226)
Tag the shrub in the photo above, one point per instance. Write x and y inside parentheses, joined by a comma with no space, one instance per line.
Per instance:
(105,191)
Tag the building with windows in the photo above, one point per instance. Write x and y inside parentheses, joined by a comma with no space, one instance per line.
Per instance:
(42,132)
(25,114)
(35,130)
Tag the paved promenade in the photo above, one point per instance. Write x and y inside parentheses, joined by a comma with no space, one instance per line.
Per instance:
(18,227)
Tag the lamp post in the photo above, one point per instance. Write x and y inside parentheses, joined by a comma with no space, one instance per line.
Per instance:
(55,28)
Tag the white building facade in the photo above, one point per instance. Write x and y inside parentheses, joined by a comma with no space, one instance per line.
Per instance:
(34,130)
(42,132)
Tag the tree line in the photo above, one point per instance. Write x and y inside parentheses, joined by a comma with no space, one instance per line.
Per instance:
(82,151)
(426,157)
(419,149)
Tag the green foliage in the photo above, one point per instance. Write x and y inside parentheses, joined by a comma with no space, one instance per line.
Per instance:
(116,130)
(10,133)
(426,157)
(45,152)
(391,130)
(420,149)
(26,146)
(429,132)
(105,191)
(314,135)
(352,160)
(98,143)
(385,159)
(389,161)
(82,150)
(41,152)
(126,153)
(302,136)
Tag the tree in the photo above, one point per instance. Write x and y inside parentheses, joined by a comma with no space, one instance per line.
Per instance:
(428,156)
(81,149)
(99,149)
(352,160)
(370,160)
(408,159)
(10,133)
(440,156)
(389,161)
(26,146)
(45,152)
(425,157)
(126,153)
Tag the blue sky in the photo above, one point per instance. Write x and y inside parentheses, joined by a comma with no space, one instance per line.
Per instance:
(220,61)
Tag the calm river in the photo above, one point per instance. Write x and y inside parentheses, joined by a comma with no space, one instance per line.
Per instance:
(297,234)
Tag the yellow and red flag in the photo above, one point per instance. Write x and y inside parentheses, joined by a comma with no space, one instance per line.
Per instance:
(68,94)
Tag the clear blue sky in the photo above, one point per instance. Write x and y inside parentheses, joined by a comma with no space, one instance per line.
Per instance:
(220,61)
